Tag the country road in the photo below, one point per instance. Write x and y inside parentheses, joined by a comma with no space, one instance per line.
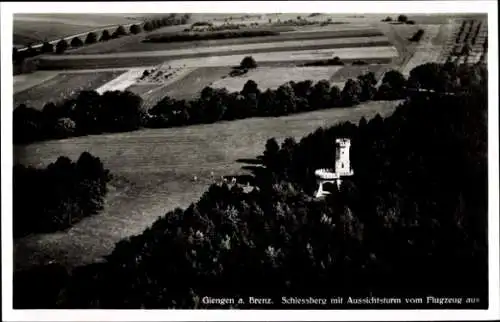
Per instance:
(68,38)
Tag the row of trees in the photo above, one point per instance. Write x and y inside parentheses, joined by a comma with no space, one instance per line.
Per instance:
(59,195)
(410,222)
(76,42)
(91,113)
(400,19)
(92,37)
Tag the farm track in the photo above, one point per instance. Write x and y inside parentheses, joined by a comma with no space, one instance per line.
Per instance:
(154,168)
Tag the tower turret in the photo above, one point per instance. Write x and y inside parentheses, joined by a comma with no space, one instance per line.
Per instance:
(342,157)
(342,167)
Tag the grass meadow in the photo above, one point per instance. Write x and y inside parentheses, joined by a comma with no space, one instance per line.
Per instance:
(153,172)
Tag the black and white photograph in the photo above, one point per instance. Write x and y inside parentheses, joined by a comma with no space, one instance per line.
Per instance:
(250,157)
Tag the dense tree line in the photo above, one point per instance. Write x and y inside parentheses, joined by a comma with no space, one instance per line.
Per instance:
(59,195)
(87,113)
(412,221)
(335,61)
(209,35)
(92,113)
(293,97)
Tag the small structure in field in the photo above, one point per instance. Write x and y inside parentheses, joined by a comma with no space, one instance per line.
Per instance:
(342,168)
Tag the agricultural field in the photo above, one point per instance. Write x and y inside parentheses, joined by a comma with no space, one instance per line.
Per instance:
(62,86)
(153,87)
(135,44)
(468,43)
(35,28)
(379,53)
(192,84)
(276,76)
(353,71)
(25,81)
(153,173)
(430,47)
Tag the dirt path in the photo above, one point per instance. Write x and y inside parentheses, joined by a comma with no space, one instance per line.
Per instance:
(155,168)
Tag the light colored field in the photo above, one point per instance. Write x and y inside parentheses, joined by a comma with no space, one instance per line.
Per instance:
(353,71)
(228,49)
(135,44)
(338,28)
(213,59)
(121,82)
(305,55)
(277,76)
(155,168)
(430,47)
(151,92)
(191,85)
(24,81)
(61,87)
(77,19)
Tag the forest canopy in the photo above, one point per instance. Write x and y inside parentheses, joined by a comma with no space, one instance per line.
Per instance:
(412,221)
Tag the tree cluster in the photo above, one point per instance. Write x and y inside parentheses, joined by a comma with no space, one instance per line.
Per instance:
(448,77)
(59,195)
(209,35)
(170,20)
(412,221)
(417,36)
(335,61)
(87,113)
(402,19)
(293,97)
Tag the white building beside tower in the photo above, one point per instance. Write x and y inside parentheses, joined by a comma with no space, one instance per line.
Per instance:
(342,167)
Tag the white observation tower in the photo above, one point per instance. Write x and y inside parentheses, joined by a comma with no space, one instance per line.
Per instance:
(342,167)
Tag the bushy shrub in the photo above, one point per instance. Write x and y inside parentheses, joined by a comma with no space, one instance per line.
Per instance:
(417,36)
(248,63)
(91,38)
(402,18)
(61,46)
(135,29)
(105,36)
(76,42)
(47,47)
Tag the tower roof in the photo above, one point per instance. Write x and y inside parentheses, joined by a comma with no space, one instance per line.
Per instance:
(344,141)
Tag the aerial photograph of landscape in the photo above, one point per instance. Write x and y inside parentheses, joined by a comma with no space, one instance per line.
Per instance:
(270,161)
